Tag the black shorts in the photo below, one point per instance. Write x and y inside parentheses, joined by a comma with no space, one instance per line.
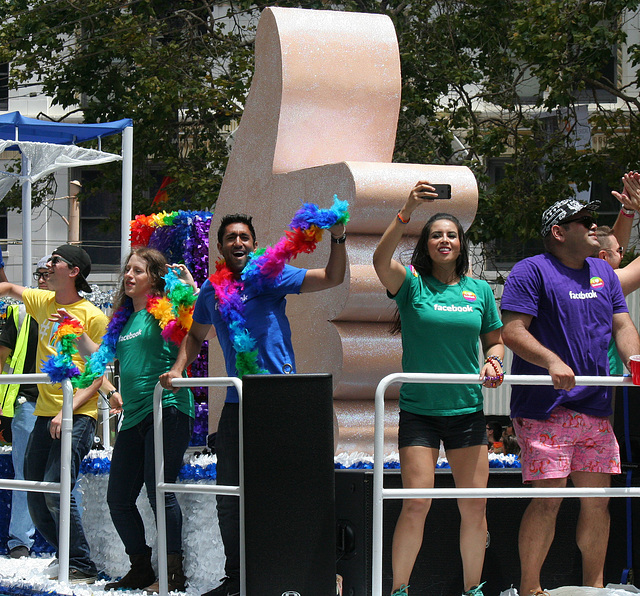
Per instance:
(456,432)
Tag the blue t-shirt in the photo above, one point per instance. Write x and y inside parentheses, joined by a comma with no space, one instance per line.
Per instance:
(441,326)
(266,321)
(572,313)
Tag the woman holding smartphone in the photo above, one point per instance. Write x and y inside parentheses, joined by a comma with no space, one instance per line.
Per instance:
(443,315)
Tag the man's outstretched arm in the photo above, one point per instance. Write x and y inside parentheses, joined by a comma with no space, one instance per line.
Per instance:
(333,274)
(11,290)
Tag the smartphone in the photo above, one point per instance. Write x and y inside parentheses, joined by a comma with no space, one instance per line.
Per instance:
(443,190)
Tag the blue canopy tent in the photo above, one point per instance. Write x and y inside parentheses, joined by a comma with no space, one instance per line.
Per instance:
(20,133)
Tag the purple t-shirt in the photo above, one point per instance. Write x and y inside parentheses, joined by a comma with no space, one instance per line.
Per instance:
(266,321)
(572,316)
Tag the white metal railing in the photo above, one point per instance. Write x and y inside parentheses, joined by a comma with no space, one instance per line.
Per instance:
(64,486)
(163,487)
(380,493)
(104,408)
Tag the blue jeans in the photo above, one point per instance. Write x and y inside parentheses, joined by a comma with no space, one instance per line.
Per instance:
(228,474)
(42,462)
(21,527)
(133,464)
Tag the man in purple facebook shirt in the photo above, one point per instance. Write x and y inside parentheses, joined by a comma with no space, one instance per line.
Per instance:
(560,309)
(266,320)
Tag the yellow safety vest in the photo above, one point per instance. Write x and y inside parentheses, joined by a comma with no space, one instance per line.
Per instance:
(15,362)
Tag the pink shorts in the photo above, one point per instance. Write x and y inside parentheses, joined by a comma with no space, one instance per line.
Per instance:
(567,442)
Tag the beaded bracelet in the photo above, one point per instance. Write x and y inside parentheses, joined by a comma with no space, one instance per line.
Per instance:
(402,221)
(494,357)
(495,368)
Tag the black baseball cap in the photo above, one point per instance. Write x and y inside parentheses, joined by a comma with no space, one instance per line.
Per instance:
(79,258)
(561,210)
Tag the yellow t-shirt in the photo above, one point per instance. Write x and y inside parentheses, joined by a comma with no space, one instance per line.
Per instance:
(41,304)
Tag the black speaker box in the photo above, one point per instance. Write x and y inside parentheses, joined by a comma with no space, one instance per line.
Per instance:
(438,569)
(289,484)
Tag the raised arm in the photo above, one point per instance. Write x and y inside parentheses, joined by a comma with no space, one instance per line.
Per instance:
(630,203)
(517,337)
(333,274)
(390,272)
(184,275)
(11,290)
(629,276)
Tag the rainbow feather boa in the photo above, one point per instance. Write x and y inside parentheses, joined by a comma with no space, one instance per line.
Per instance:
(263,268)
(173,312)
(61,366)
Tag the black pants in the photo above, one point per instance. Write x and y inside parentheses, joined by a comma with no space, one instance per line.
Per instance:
(228,474)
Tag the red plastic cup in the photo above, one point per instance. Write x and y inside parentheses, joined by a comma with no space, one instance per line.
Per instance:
(634,363)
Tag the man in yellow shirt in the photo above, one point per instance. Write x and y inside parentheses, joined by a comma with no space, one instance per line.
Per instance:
(68,270)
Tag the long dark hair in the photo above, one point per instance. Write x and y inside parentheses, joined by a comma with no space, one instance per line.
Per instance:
(156,269)
(421,259)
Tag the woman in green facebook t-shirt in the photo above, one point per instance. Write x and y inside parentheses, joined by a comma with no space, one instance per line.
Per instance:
(144,355)
(443,314)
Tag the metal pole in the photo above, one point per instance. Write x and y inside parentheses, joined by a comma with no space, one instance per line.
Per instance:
(26,222)
(161,519)
(127,191)
(65,480)
(378,478)
(161,487)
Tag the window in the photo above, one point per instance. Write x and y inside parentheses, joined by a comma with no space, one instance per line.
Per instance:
(99,230)
(502,253)
(4,228)
(529,92)
(4,87)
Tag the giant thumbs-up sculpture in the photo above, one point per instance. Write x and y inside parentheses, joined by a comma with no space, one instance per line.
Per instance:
(320,119)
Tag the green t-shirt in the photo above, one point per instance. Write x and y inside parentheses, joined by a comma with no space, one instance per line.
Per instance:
(615,362)
(144,355)
(441,326)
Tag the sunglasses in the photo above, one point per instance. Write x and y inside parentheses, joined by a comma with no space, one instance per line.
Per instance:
(55,259)
(38,275)
(588,221)
(619,250)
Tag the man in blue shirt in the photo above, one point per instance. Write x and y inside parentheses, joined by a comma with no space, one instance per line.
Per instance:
(265,319)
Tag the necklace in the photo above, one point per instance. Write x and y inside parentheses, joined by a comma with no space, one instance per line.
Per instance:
(263,269)
(174,315)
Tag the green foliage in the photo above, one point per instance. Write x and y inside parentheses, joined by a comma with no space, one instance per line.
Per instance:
(481,79)
(179,69)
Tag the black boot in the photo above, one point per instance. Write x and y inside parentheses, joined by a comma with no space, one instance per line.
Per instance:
(177,581)
(140,575)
